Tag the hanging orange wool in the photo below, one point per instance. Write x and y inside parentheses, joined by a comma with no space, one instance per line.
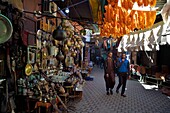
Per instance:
(113,4)
(130,4)
(145,2)
(109,12)
(152,3)
(124,29)
(121,16)
(116,1)
(125,17)
(106,14)
(146,18)
(122,3)
(126,5)
(118,28)
(131,20)
(140,2)
(112,30)
(128,30)
(110,1)
(134,1)
(136,21)
(113,22)
(152,18)
(141,19)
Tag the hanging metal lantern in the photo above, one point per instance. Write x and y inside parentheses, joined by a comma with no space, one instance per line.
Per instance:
(60,56)
(59,34)
(73,54)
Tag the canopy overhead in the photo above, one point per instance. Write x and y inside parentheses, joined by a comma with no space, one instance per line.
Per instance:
(85,12)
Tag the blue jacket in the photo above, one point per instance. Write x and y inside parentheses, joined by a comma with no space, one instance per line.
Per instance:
(124,67)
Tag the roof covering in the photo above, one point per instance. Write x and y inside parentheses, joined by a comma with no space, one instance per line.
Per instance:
(84,12)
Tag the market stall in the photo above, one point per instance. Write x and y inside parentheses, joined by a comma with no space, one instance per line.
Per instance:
(51,67)
(44,61)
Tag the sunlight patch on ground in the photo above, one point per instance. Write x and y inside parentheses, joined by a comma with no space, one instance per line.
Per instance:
(168,97)
(148,86)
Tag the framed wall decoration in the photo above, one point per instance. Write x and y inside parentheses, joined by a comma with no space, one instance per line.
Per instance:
(31,54)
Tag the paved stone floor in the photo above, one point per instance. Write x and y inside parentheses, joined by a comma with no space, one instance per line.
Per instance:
(138,100)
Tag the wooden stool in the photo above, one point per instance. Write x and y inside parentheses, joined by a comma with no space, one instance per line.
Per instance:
(42,104)
(79,94)
(69,89)
(64,97)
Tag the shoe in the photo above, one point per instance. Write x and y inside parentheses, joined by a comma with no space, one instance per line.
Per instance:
(107,93)
(117,91)
(111,92)
(123,95)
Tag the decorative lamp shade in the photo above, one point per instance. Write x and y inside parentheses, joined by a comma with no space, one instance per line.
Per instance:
(6,29)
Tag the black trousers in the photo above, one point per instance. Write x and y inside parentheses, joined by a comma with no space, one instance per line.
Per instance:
(122,82)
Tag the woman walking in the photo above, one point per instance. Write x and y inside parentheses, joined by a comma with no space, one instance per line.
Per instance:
(109,74)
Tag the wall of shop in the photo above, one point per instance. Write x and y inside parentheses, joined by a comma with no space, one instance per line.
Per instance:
(143,58)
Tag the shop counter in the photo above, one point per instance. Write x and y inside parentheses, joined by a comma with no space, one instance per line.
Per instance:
(24,103)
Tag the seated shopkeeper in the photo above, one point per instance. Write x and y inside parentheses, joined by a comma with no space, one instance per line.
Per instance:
(77,71)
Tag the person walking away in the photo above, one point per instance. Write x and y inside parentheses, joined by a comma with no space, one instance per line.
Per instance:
(123,73)
(109,75)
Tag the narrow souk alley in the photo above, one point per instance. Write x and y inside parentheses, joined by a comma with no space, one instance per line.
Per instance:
(138,100)
(51,51)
